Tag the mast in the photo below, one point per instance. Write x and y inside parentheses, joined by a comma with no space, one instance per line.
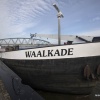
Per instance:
(59,15)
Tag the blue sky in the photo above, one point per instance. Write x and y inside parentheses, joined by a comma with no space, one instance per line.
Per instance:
(19,18)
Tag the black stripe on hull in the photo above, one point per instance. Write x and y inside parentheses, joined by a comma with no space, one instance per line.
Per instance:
(60,75)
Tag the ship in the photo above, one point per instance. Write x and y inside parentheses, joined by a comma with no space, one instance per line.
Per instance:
(68,68)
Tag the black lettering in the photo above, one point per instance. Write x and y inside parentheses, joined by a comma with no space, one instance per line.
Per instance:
(28,54)
(63,52)
(57,53)
(70,51)
(33,53)
(50,53)
(39,54)
(44,54)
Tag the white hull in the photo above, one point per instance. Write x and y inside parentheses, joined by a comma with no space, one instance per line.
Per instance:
(56,52)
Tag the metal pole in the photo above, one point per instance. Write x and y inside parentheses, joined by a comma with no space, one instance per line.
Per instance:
(59,37)
(59,15)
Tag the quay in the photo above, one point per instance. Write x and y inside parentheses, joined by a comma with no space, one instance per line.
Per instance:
(4,95)
(11,87)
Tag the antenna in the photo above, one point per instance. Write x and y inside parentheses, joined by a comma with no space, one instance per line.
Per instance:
(59,15)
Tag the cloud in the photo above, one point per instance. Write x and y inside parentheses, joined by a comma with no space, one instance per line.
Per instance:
(22,16)
(91,33)
(96,19)
(18,15)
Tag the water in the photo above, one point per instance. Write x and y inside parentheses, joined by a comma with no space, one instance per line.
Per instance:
(95,95)
(58,96)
